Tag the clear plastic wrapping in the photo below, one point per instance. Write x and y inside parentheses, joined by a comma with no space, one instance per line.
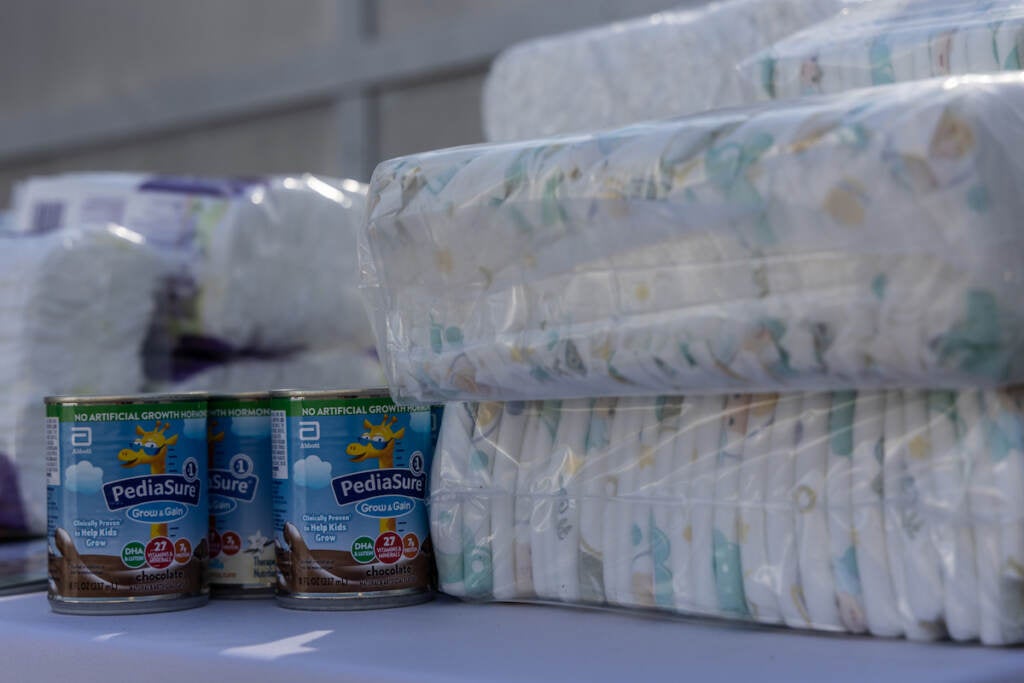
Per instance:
(892,41)
(76,309)
(867,239)
(256,264)
(667,64)
(893,513)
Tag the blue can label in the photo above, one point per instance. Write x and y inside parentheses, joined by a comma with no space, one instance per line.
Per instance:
(350,487)
(127,499)
(241,514)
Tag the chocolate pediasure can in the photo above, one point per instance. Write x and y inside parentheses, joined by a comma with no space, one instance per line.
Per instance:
(350,485)
(127,515)
(242,563)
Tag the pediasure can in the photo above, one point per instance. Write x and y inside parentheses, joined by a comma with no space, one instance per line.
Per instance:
(126,503)
(242,562)
(350,483)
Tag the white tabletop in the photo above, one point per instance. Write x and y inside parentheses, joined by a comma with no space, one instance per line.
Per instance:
(449,641)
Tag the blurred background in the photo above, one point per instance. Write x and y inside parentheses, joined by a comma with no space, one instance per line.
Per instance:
(256,86)
(159,279)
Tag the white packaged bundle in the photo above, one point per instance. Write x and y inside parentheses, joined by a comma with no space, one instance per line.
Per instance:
(894,513)
(257,264)
(335,368)
(23,442)
(892,41)
(668,64)
(76,310)
(868,239)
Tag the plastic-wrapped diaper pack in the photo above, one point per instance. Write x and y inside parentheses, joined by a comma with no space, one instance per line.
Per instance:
(256,264)
(108,273)
(890,41)
(667,64)
(335,368)
(867,239)
(23,442)
(49,290)
(63,297)
(894,513)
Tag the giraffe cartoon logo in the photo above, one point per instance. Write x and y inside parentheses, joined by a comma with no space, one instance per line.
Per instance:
(378,442)
(214,435)
(150,448)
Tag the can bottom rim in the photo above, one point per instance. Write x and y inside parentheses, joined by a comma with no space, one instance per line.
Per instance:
(354,601)
(138,605)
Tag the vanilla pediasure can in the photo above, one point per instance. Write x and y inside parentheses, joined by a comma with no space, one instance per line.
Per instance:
(350,485)
(127,516)
(242,562)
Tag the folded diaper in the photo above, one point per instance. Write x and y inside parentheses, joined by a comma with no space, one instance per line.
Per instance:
(891,41)
(667,64)
(342,367)
(76,308)
(256,264)
(896,513)
(23,435)
(446,528)
(869,239)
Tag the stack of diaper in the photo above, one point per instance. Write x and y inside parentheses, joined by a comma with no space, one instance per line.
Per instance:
(75,310)
(889,41)
(668,64)
(113,281)
(255,264)
(868,239)
(860,251)
(895,513)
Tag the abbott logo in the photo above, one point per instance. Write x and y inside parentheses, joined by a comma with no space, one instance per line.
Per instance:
(309,431)
(81,437)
